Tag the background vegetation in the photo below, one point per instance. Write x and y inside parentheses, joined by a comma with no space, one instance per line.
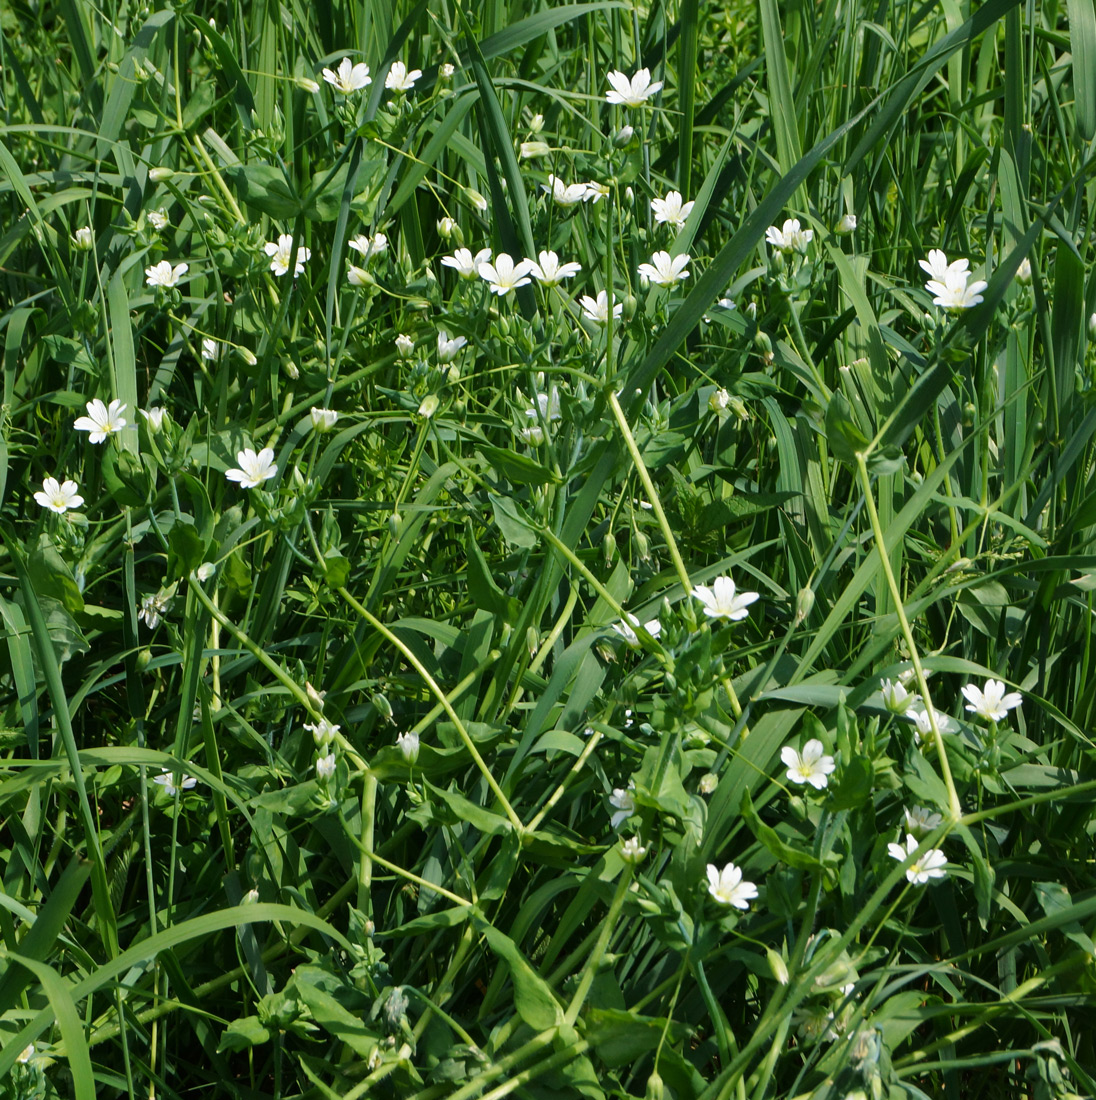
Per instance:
(910,491)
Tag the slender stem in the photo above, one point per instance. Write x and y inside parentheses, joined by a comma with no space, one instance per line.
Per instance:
(557,794)
(881,547)
(440,695)
(594,961)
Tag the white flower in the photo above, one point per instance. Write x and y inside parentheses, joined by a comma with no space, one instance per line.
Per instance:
(323,420)
(464,263)
(597,309)
(791,238)
(408,744)
(358,276)
(895,697)
(546,405)
(631,851)
(348,77)
(1023,272)
(923,726)
(25,1055)
(531,149)
(671,210)
(446,227)
(664,269)
(992,704)
(399,79)
(157,219)
(847,224)
(212,350)
(251,897)
(623,804)
(154,418)
(938,268)
(254,468)
(534,435)
(956,292)
(163,274)
(722,601)
(446,71)
(550,272)
(449,347)
(369,246)
(84,239)
(719,401)
(812,767)
(928,866)
(595,192)
(101,421)
(281,258)
(625,629)
(152,609)
(634,92)
(57,496)
(429,406)
(504,275)
(565,194)
(323,732)
(166,779)
(727,887)
(405,346)
(920,820)
(325,766)
(205,571)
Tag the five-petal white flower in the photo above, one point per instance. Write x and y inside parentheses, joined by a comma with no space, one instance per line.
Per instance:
(254,468)
(58,496)
(791,238)
(448,346)
(993,703)
(565,194)
(163,274)
(101,420)
(280,253)
(920,820)
(408,744)
(464,263)
(728,888)
(323,732)
(927,866)
(626,629)
(671,210)
(664,269)
(813,766)
(922,724)
(167,780)
(895,697)
(325,766)
(399,79)
(722,601)
(624,805)
(323,420)
(549,271)
(632,92)
(956,292)
(368,246)
(504,276)
(348,77)
(597,309)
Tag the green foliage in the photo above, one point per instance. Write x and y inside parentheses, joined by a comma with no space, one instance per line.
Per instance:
(379,715)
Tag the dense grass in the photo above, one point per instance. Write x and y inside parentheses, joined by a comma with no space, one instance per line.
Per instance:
(327,910)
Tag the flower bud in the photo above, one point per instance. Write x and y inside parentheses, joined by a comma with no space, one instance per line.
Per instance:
(1092,326)
(405,345)
(83,239)
(446,228)
(315,698)
(251,897)
(446,72)
(476,199)
(408,744)
(630,305)
(643,546)
(395,522)
(804,602)
(719,401)
(655,1088)
(764,345)
(777,965)
(1023,272)
(382,705)
(609,548)
(429,406)
(708,783)
(307,84)
(846,225)
(623,136)
(531,149)
(537,124)
(631,851)
(248,356)
(158,175)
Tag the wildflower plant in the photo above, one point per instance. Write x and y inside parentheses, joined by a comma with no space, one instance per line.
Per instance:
(468,474)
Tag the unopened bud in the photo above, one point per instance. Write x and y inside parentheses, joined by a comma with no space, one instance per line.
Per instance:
(429,406)
(83,239)
(405,346)
(777,965)
(307,84)
(1092,326)
(708,783)
(532,640)
(655,1088)
(804,602)
(643,546)
(248,356)
(630,305)
(315,698)
(158,175)
(623,136)
(846,225)
(382,705)
(1023,272)
(395,522)
(609,547)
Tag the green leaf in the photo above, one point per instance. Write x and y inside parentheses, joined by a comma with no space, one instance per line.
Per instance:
(519,468)
(186,548)
(243,1034)
(855,786)
(846,440)
(485,593)
(513,523)
(265,188)
(533,997)
(51,576)
(793,857)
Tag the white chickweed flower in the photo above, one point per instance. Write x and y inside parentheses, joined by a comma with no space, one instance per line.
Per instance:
(631,851)
(664,269)
(369,246)
(549,271)
(408,744)
(101,420)
(634,91)
(157,219)
(254,468)
(405,346)
(895,697)
(58,496)
(323,420)
(167,780)
(504,276)
(449,347)
(325,766)
(625,629)
(348,77)
(1023,272)
(565,194)
(938,268)
(152,609)
(928,866)
(955,292)
(399,79)
(722,601)
(280,255)
(212,350)
(154,418)
(812,767)
(923,726)
(624,805)
(597,309)
(791,238)
(992,703)
(846,225)
(323,732)
(727,887)
(464,263)
(671,210)
(164,275)
(595,192)
(920,820)
(83,240)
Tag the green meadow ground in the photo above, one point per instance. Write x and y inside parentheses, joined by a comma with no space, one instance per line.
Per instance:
(547,550)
